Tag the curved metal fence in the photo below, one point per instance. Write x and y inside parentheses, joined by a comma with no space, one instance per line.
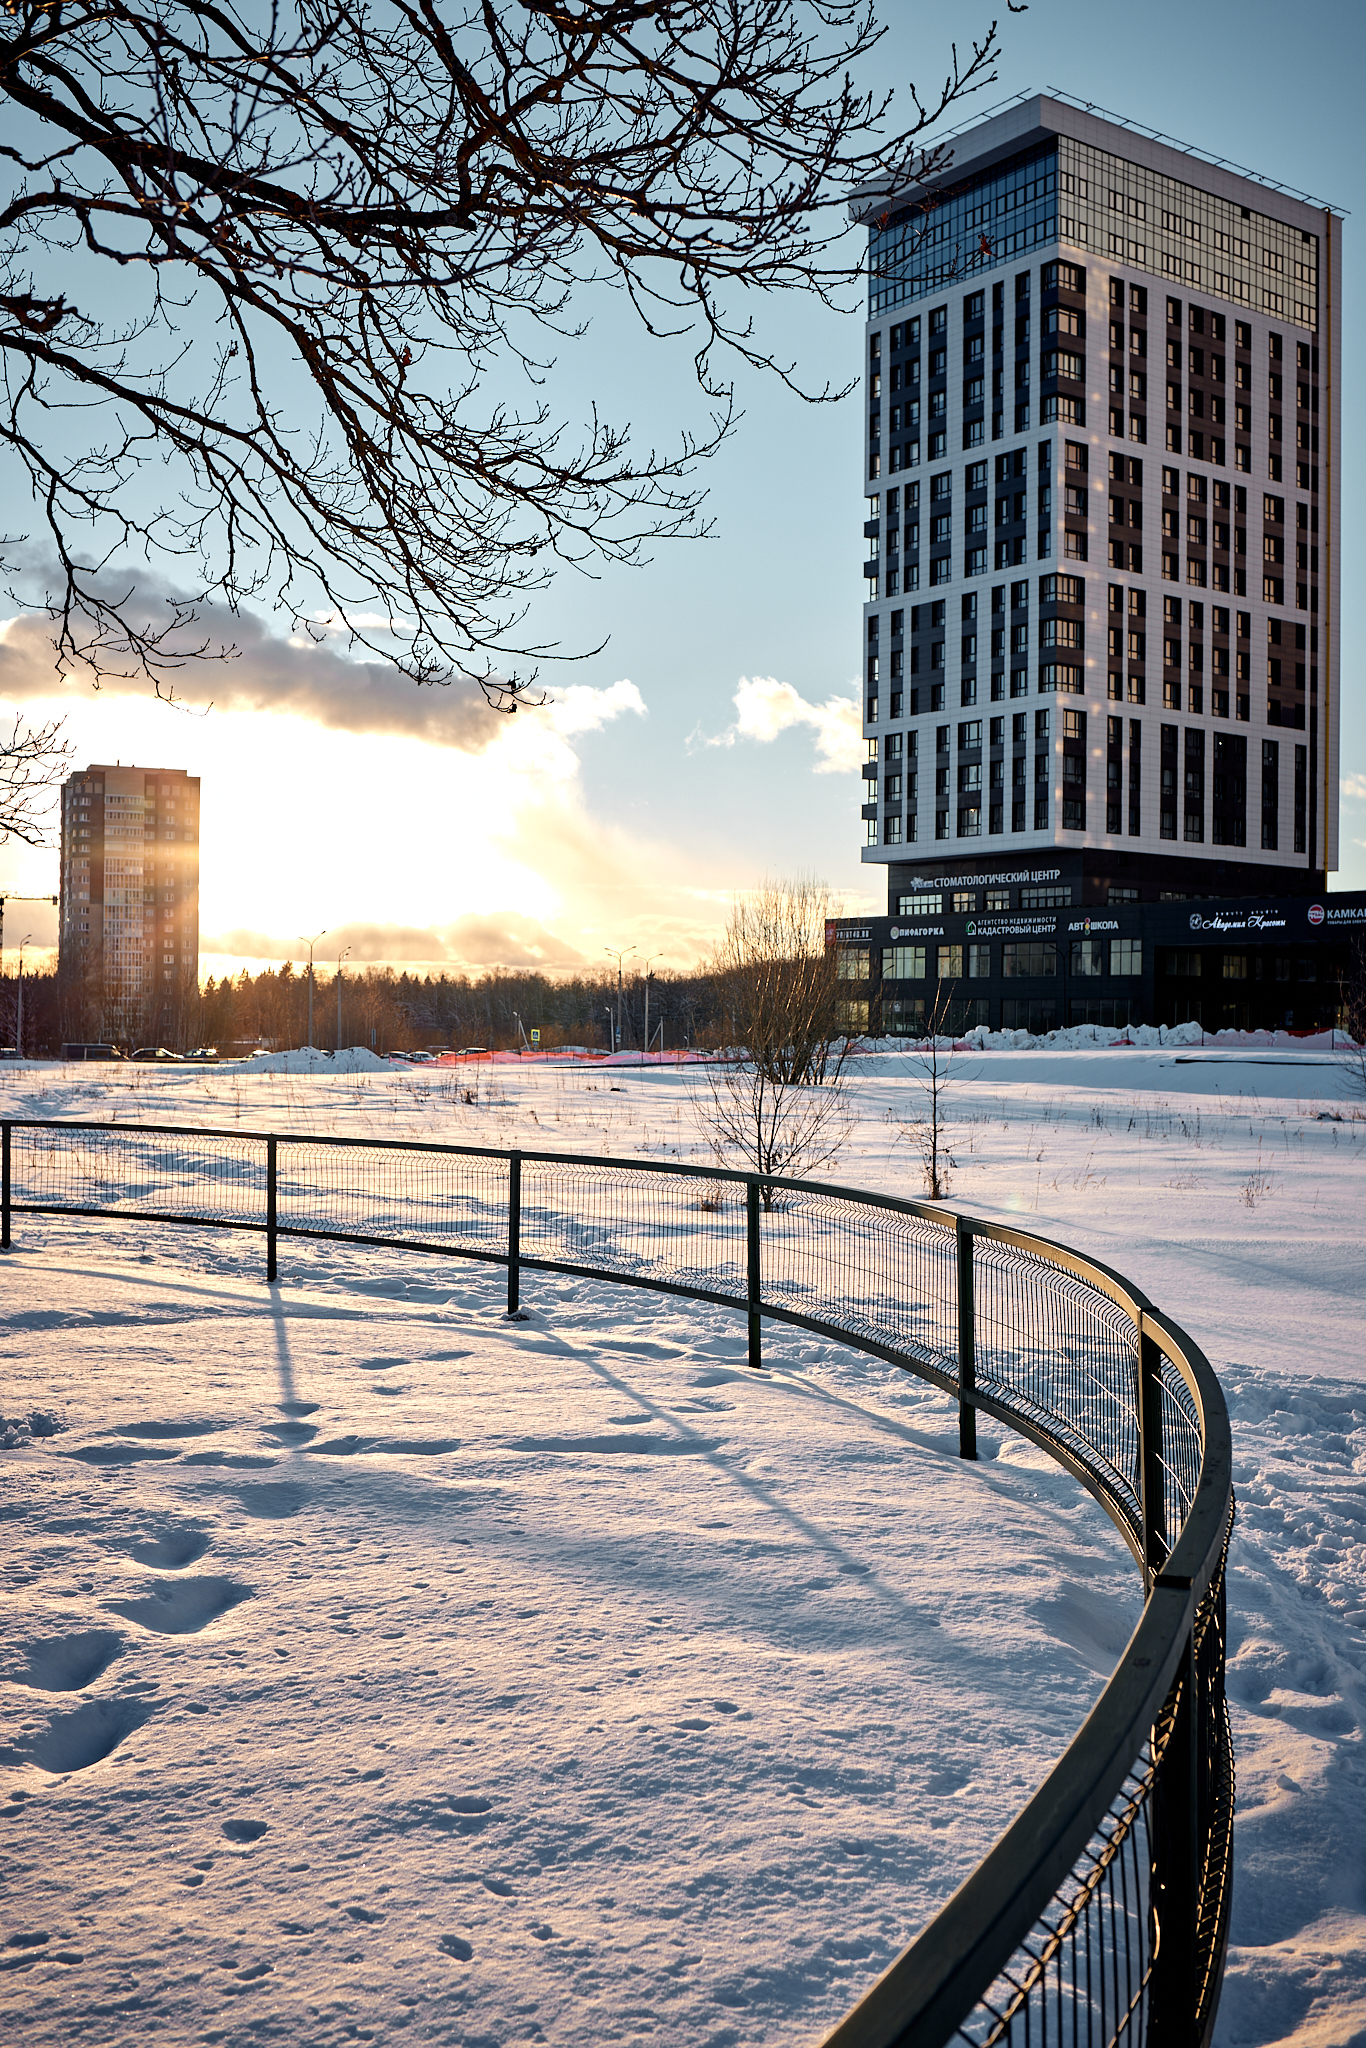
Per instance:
(1101,1915)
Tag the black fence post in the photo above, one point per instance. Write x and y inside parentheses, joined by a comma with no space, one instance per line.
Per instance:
(272,1205)
(4,1186)
(1174,1994)
(967,1344)
(1152,1487)
(756,1353)
(514,1232)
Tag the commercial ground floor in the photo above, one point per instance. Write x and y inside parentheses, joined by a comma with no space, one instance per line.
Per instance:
(1047,944)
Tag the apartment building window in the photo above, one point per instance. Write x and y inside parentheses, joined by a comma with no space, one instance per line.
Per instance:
(1170,768)
(1271,792)
(1194,807)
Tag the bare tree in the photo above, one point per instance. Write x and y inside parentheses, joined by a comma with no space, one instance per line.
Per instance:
(779,1102)
(932,1064)
(780,1129)
(339,231)
(775,979)
(32,760)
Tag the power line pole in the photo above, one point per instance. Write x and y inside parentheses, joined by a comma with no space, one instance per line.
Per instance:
(311,943)
(27,940)
(648,965)
(340,957)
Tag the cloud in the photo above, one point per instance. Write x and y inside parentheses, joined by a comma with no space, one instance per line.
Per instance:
(500,939)
(581,709)
(764,708)
(1354,788)
(271,674)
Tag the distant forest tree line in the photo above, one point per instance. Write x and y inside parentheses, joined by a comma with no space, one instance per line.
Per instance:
(391,1011)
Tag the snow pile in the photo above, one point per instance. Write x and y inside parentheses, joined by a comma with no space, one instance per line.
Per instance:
(17,1430)
(309,1059)
(1142,1037)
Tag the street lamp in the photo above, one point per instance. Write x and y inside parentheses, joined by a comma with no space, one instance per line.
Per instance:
(311,943)
(344,954)
(27,940)
(618,953)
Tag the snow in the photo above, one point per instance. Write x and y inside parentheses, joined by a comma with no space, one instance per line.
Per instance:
(307,1059)
(372,1666)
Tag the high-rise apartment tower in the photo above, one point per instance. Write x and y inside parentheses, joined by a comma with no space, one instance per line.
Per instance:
(1100,648)
(128,962)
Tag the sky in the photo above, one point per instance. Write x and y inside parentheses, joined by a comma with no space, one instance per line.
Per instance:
(714,739)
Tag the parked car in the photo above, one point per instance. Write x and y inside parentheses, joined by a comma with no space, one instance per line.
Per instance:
(203,1052)
(159,1052)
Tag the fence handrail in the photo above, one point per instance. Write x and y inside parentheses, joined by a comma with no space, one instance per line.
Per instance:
(924,1992)
(929,1989)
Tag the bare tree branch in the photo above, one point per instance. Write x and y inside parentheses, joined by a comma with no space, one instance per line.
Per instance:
(333,236)
(32,762)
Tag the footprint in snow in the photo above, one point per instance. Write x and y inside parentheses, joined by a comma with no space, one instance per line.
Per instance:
(172,1551)
(69,1663)
(291,1432)
(456,1945)
(169,1429)
(72,1742)
(181,1607)
(120,1453)
(245,1830)
(273,1501)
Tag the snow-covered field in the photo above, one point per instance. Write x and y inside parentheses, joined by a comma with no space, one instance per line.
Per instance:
(372,1666)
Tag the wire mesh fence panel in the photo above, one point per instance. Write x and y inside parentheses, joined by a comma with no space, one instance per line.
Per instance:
(877,1274)
(1061,1353)
(1183,1445)
(196,1177)
(451,1201)
(1053,1351)
(664,1230)
(1082,1977)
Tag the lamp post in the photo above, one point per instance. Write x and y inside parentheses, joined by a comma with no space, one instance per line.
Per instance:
(618,953)
(610,1041)
(311,943)
(27,940)
(648,965)
(344,954)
